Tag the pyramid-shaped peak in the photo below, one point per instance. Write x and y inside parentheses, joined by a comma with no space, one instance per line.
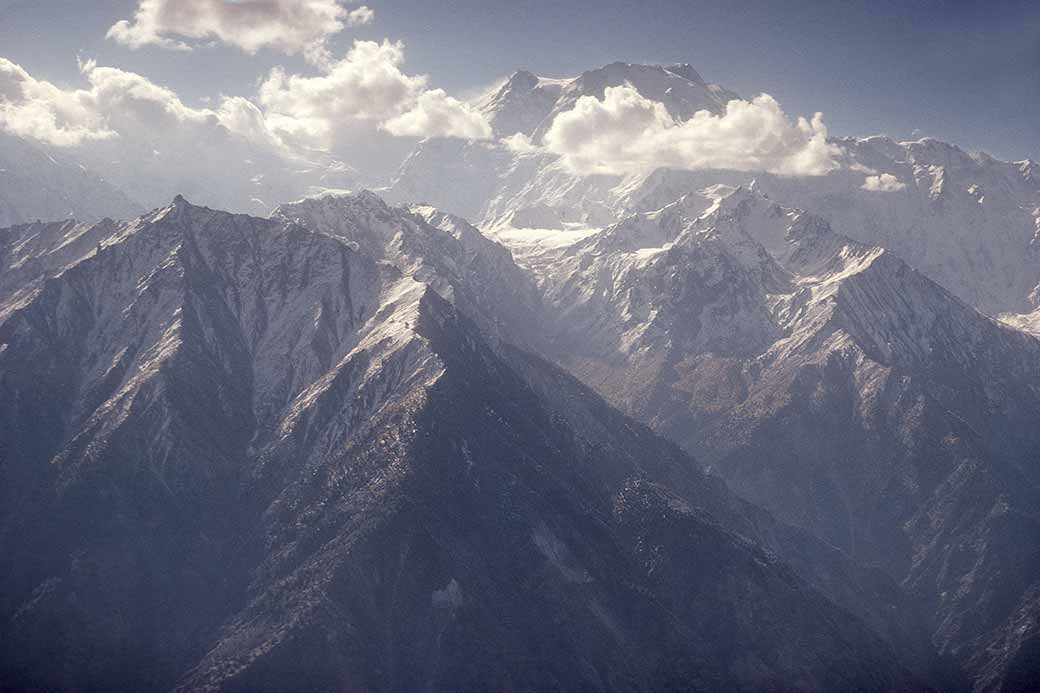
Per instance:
(686,71)
(343,198)
(522,79)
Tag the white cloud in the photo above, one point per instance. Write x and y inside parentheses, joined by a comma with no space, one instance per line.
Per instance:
(366,86)
(360,15)
(885,182)
(435,114)
(362,111)
(356,105)
(38,109)
(289,26)
(364,93)
(626,133)
(143,138)
(519,143)
(363,96)
(301,130)
(130,104)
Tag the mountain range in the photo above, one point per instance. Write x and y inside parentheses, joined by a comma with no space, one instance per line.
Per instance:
(502,425)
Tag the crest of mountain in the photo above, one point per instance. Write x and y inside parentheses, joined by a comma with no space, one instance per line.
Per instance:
(39,184)
(834,384)
(722,343)
(275,454)
(443,251)
(521,103)
(528,104)
(968,221)
(488,181)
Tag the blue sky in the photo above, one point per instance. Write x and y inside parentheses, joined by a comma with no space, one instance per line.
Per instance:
(968,72)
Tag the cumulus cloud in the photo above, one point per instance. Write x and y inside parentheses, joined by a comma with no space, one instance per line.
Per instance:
(366,91)
(362,109)
(289,26)
(360,102)
(884,182)
(435,114)
(38,109)
(145,139)
(627,133)
(365,86)
(114,104)
(519,143)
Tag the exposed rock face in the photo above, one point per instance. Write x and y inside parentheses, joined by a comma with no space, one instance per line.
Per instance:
(440,250)
(832,383)
(966,221)
(322,450)
(852,397)
(969,222)
(277,454)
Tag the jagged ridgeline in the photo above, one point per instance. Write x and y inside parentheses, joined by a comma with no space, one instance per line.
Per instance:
(291,453)
(501,425)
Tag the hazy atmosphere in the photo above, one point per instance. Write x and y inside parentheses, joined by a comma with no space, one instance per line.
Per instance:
(519,346)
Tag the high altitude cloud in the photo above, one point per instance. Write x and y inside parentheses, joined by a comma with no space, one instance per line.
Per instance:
(360,98)
(289,26)
(884,182)
(358,113)
(366,91)
(626,133)
(435,114)
(38,109)
(143,138)
(115,104)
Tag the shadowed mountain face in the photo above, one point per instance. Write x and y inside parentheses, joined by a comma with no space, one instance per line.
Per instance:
(833,384)
(356,446)
(792,338)
(271,454)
